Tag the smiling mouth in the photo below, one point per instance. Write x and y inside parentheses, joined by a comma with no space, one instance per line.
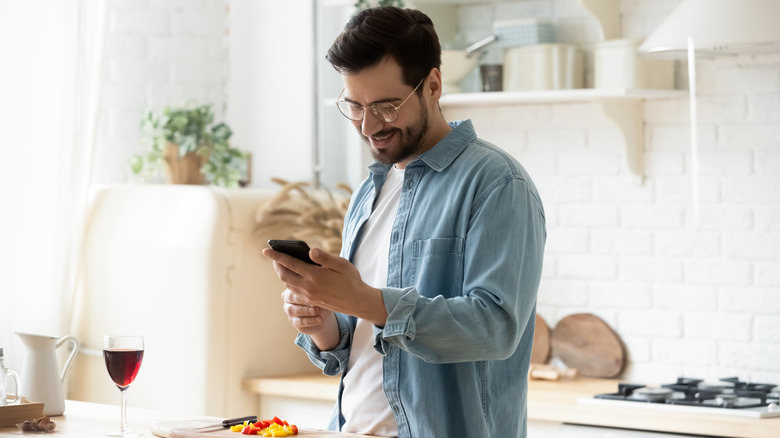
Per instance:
(380,139)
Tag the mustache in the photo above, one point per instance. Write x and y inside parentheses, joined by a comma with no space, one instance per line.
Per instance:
(382,133)
(386,132)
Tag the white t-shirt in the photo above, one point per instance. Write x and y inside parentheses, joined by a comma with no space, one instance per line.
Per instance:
(363,402)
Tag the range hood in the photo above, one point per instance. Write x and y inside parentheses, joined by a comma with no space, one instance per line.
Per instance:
(717,27)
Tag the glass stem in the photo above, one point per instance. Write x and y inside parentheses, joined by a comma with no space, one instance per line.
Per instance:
(124,408)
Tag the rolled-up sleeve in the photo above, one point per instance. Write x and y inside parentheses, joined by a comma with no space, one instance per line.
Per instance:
(331,362)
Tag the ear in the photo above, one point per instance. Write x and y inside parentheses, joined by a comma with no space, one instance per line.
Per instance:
(434,87)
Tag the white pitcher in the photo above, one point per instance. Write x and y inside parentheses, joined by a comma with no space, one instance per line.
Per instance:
(41,375)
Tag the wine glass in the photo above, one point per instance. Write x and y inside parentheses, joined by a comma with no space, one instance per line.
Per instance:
(123,355)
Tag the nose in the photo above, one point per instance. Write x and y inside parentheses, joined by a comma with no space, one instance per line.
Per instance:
(370,124)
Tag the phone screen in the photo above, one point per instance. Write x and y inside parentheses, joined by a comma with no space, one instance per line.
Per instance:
(296,248)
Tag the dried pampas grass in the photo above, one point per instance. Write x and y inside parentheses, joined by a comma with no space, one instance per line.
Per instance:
(299,211)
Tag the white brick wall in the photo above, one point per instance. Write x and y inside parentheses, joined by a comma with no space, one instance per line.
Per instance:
(158,53)
(699,298)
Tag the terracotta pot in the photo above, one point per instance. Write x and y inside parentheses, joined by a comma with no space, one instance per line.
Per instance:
(183,170)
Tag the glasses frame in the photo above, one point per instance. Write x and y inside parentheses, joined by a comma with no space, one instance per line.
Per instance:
(374,111)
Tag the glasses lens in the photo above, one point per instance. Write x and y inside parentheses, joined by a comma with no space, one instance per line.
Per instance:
(385,112)
(350,110)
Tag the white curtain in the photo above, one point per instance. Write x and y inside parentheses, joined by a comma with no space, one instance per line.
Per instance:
(50,81)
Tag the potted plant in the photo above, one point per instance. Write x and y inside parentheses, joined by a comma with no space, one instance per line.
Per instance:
(189,147)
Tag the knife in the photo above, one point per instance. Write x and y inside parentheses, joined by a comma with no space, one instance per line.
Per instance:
(225,423)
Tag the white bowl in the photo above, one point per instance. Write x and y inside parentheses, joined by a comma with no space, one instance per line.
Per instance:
(455,65)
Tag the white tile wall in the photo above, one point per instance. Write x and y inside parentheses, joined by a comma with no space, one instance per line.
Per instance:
(695,298)
(687,297)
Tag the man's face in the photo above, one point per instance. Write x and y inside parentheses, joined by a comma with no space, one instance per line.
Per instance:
(394,142)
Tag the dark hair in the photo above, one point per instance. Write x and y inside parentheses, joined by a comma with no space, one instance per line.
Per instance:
(407,35)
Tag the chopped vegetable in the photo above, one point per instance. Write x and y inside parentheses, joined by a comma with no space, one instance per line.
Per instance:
(273,428)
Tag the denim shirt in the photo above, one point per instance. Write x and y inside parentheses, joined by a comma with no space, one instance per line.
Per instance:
(464,267)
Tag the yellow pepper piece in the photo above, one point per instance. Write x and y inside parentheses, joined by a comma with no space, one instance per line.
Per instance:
(237,428)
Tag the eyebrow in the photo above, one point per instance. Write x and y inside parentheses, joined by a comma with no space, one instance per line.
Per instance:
(385,100)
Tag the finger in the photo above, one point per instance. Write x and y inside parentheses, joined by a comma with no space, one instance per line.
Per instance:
(286,260)
(302,323)
(326,259)
(298,310)
(279,268)
(290,296)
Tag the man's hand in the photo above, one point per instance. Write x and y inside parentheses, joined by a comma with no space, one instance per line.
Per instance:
(314,292)
(320,324)
(308,319)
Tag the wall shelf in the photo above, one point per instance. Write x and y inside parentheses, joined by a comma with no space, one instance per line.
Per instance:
(553,96)
(622,106)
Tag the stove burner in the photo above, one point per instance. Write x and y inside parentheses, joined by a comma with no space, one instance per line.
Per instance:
(732,394)
(726,400)
(651,394)
(626,389)
(745,386)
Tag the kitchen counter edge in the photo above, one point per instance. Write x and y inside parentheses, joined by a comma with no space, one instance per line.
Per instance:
(557,401)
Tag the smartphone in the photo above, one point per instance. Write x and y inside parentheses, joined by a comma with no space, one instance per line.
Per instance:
(296,248)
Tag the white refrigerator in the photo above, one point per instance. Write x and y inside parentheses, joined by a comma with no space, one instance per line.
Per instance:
(181,265)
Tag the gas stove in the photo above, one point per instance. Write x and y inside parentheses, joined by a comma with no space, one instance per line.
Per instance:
(729,396)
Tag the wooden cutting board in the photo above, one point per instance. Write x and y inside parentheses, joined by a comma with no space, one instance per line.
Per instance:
(541,348)
(585,342)
(179,429)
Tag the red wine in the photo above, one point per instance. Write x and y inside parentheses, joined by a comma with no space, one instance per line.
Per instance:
(123,365)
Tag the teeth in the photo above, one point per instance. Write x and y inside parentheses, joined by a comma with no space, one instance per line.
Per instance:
(383,137)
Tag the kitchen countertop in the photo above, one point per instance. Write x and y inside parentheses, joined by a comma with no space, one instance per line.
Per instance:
(84,420)
(556,401)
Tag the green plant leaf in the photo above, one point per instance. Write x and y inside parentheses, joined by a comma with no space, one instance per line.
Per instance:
(192,129)
(136,164)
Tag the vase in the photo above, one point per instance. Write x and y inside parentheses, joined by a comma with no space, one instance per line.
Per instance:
(183,169)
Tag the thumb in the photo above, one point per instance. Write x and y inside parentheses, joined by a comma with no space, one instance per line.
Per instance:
(322,258)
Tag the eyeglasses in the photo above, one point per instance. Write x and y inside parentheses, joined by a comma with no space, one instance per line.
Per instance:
(387,112)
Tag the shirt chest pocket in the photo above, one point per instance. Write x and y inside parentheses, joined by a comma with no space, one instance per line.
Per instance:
(438,266)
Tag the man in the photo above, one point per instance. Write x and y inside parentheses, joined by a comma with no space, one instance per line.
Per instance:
(429,316)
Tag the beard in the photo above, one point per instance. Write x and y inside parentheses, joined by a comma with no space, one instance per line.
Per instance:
(410,143)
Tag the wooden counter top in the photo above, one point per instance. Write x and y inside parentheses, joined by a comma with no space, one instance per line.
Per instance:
(84,420)
(556,401)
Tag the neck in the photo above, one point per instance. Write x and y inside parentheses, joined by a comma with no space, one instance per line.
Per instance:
(438,128)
